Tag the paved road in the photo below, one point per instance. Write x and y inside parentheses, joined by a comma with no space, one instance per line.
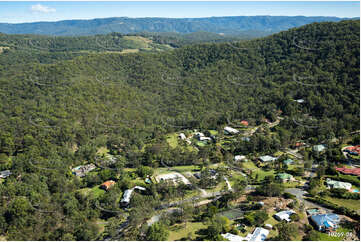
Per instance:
(299,194)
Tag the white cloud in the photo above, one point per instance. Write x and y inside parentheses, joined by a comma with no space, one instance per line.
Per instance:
(42,9)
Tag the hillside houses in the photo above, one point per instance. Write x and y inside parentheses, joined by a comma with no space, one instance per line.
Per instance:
(244,123)
(348,171)
(81,171)
(284,215)
(318,148)
(267,158)
(239,158)
(259,234)
(107,185)
(5,174)
(325,222)
(128,193)
(338,184)
(230,131)
(288,162)
(284,177)
(173,177)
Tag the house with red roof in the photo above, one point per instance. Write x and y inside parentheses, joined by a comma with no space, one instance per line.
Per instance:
(354,150)
(349,171)
(244,123)
(108,184)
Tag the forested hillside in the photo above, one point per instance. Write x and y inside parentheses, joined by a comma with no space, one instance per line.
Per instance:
(57,114)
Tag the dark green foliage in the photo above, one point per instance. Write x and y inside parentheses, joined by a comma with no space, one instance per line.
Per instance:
(157,231)
(270,189)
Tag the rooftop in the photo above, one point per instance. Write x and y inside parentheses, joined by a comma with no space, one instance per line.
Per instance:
(267,158)
(349,171)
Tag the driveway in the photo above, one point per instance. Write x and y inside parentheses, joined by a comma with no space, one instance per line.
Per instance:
(299,193)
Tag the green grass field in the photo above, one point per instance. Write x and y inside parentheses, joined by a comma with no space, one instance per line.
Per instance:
(249,165)
(163,170)
(348,203)
(180,231)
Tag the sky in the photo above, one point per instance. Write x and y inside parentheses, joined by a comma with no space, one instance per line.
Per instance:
(20,12)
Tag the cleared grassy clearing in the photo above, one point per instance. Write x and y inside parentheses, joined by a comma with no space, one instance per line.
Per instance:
(179,231)
(348,203)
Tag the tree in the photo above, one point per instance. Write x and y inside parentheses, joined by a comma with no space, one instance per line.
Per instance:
(286,231)
(157,231)
(312,236)
(270,189)
(144,171)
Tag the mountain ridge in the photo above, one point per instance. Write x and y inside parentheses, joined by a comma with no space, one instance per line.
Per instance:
(230,25)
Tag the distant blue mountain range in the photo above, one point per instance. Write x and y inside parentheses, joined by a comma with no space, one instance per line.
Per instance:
(237,25)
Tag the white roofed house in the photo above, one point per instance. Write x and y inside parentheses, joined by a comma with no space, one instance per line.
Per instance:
(230,130)
(239,158)
(267,158)
(182,136)
(284,215)
(5,174)
(259,234)
(319,148)
(338,184)
(128,194)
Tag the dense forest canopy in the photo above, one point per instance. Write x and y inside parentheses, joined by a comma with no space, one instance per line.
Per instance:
(56,114)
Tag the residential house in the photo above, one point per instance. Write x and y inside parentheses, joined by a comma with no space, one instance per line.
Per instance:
(244,123)
(82,170)
(5,174)
(299,145)
(128,193)
(267,158)
(107,185)
(175,177)
(284,215)
(239,158)
(338,184)
(284,177)
(325,222)
(182,136)
(233,238)
(319,148)
(259,234)
(228,130)
(354,150)
(349,171)
(288,162)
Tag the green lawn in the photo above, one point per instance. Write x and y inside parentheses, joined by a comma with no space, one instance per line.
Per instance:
(249,165)
(164,170)
(179,231)
(262,173)
(213,132)
(348,203)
